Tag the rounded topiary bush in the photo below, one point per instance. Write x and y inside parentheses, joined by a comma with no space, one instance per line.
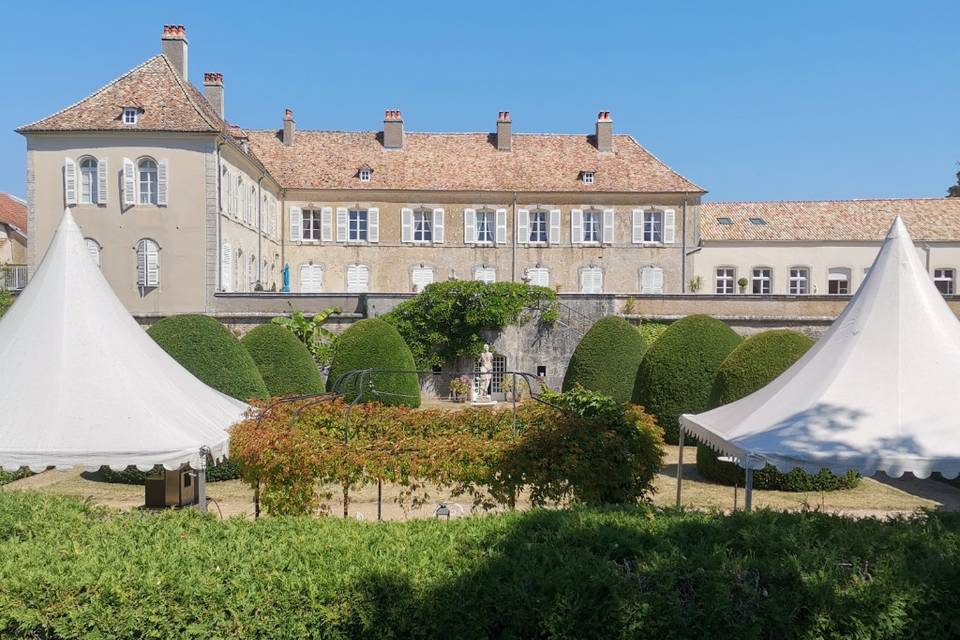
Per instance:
(374,344)
(606,359)
(650,331)
(284,362)
(677,372)
(750,367)
(208,350)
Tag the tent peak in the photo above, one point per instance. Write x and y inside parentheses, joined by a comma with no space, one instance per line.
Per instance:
(898,229)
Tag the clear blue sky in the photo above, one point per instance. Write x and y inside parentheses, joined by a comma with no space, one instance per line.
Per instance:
(751,100)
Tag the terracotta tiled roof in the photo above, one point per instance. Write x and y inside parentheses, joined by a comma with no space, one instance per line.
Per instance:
(167,103)
(935,219)
(13,211)
(463,162)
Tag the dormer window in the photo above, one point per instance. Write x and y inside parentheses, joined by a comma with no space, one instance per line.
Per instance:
(365,175)
(586,177)
(130,115)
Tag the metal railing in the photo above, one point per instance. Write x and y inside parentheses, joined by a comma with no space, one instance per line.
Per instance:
(13,276)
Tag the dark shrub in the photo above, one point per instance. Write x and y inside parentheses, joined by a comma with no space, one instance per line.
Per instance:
(374,344)
(284,362)
(209,351)
(676,373)
(226,469)
(606,359)
(751,366)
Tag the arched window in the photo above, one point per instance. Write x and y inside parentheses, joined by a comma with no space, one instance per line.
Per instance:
(89,193)
(148,177)
(148,264)
(93,248)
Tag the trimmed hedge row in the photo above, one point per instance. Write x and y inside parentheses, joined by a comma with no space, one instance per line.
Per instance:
(70,570)
(750,367)
(606,359)
(374,344)
(226,469)
(283,361)
(677,372)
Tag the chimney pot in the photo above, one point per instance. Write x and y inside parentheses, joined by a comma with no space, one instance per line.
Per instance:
(504,132)
(604,133)
(173,44)
(392,129)
(289,127)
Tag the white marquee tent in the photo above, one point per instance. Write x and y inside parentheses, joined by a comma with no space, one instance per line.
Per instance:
(878,392)
(83,384)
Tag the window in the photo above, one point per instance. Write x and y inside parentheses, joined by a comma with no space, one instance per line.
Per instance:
(147,170)
(312,223)
(591,226)
(249,215)
(838,281)
(761,280)
(758,221)
(538,226)
(726,277)
(148,264)
(651,280)
(538,276)
(799,281)
(421,276)
(130,115)
(365,175)
(653,226)
(423,225)
(358,278)
(944,279)
(93,248)
(486,226)
(485,274)
(251,272)
(357,220)
(587,177)
(237,193)
(311,278)
(725,220)
(88,181)
(591,279)
(496,376)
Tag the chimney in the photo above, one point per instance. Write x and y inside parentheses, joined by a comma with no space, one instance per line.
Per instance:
(392,129)
(213,86)
(173,44)
(504,137)
(604,132)
(289,128)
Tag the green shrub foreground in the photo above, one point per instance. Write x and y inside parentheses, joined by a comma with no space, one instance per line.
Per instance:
(606,359)
(70,570)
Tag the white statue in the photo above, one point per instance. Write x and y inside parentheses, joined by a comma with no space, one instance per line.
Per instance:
(486,373)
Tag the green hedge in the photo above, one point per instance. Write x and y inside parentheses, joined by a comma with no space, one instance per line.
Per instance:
(676,373)
(650,332)
(70,570)
(606,359)
(284,362)
(208,350)
(374,344)
(749,367)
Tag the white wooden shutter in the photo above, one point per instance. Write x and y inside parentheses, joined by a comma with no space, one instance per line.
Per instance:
(226,267)
(406,225)
(576,226)
(296,224)
(153,265)
(591,280)
(523,226)
(657,280)
(373,225)
(485,274)
(93,248)
(326,224)
(469,226)
(358,278)
(637,226)
(555,226)
(669,226)
(141,264)
(501,236)
(539,276)
(438,226)
(342,225)
(162,181)
(69,181)
(102,181)
(651,280)
(421,277)
(608,226)
(129,183)
(311,278)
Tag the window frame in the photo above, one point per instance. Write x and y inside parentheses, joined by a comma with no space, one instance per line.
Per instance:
(533,224)
(596,218)
(491,227)
(355,267)
(422,218)
(358,220)
(315,217)
(588,177)
(653,226)
(584,270)
(134,116)
(793,279)
(765,277)
(951,281)
(847,277)
(93,194)
(732,278)
(485,268)
(153,191)
(365,175)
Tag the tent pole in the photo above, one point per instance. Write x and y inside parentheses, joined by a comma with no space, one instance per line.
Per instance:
(748,488)
(680,466)
(202,480)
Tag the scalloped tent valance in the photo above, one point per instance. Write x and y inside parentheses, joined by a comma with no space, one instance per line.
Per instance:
(877,393)
(84,385)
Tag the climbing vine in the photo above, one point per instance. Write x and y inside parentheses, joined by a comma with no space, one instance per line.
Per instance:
(444,321)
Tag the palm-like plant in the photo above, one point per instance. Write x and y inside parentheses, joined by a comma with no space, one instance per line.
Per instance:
(311,332)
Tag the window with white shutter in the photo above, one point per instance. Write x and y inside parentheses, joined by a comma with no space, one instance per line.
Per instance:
(237,197)
(421,276)
(669,226)
(539,276)
(93,248)
(576,226)
(608,226)
(311,278)
(438,226)
(147,177)
(163,180)
(373,224)
(251,272)
(250,206)
(358,278)
(555,226)
(651,280)
(326,224)
(226,267)
(406,225)
(469,226)
(501,226)
(237,263)
(296,224)
(342,224)
(523,226)
(148,264)
(89,181)
(102,181)
(69,181)
(485,274)
(486,223)
(129,183)
(637,226)
(591,280)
